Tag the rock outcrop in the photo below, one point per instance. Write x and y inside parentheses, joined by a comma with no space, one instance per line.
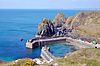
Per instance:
(46,28)
(84,18)
(85,24)
(59,20)
(81,25)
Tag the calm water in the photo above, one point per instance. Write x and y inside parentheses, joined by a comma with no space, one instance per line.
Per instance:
(60,49)
(16,24)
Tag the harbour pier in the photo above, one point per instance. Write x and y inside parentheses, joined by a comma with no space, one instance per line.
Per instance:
(46,55)
(42,42)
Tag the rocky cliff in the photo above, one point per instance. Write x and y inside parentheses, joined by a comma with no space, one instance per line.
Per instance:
(46,28)
(84,24)
(59,20)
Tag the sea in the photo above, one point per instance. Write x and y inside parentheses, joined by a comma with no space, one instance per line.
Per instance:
(23,23)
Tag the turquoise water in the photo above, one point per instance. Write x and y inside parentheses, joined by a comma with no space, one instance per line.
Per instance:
(16,24)
(60,49)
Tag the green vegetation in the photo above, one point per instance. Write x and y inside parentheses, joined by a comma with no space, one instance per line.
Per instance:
(85,23)
(83,57)
(22,62)
(25,63)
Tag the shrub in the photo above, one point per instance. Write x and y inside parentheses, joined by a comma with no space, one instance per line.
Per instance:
(28,63)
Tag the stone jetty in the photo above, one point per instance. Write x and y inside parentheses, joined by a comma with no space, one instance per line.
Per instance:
(41,42)
(46,55)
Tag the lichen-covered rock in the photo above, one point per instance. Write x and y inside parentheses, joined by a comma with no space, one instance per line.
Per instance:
(59,20)
(84,18)
(82,24)
(85,24)
(46,28)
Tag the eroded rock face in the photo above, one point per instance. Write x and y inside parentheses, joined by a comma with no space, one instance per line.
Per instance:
(84,18)
(46,28)
(85,24)
(59,20)
(82,24)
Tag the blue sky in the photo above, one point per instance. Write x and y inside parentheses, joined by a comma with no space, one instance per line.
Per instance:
(49,4)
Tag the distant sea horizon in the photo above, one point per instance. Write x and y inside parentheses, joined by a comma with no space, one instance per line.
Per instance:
(52,9)
(23,23)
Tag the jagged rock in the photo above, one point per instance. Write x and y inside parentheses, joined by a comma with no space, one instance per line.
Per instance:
(59,20)
(68,22)
(84,18)
(85,24)
(46,28)
(82,24)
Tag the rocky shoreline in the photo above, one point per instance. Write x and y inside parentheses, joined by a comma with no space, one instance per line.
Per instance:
(84,26)
(74,26)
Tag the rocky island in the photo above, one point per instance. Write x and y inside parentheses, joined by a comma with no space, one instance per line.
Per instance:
(84,26)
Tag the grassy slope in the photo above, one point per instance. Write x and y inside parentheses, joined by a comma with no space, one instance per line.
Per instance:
(88,57)
(90,24)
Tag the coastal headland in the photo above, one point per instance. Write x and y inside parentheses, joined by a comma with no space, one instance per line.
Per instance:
(84,26)
(81,30)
